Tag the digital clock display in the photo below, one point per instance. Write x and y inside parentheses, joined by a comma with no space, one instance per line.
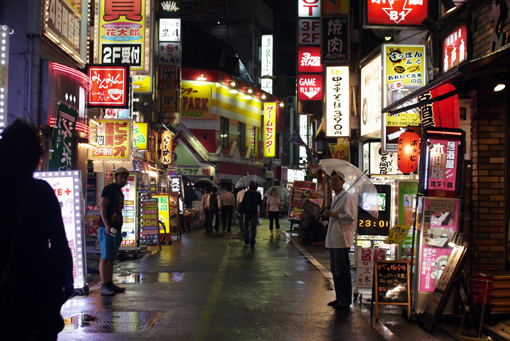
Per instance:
(367,224)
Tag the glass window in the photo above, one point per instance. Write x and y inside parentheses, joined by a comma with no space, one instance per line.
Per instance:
(224,132)
(241,136)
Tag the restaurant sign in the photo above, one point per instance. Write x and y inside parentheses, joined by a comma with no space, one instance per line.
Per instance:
(454,48)
(109,87)
(337,101)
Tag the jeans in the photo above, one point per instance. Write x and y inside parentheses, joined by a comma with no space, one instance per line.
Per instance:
(251,220)
(226,214)
(274,216)
(341,270)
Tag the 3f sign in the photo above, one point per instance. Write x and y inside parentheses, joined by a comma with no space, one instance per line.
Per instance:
(309,8)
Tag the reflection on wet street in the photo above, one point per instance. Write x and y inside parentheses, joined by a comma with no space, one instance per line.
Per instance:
(151,277)
(111,321)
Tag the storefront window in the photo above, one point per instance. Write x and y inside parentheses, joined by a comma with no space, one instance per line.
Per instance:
(224,132)
(241,136)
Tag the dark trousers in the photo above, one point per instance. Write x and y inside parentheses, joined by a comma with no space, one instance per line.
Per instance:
(212,214)
(207,222)
(241,219)
(341,270)
(251,221)
(226,214)
(274,216)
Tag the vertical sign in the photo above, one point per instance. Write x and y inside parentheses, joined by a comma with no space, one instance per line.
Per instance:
(335,39)
(169,29)
(63,139)
(267,62)
(454,48)
(140,134)
(337,101)
(166,147)
(4,75)
(129,228)
(404,68)
(370,122)
(309,8)
(149,229)
(269,129)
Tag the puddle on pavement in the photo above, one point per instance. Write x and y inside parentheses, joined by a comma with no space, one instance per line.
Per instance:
(111,322)
(151,277)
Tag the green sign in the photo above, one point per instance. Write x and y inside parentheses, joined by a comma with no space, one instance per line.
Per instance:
(63,139)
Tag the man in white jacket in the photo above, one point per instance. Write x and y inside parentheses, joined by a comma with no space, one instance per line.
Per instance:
(340,237)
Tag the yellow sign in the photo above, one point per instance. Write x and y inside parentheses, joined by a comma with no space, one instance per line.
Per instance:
(339,151)
(398,234)
(140,135)
(166,147)
(269,129)
(112,140)
(163,210)
(142,84)
(122,34)
(196,101)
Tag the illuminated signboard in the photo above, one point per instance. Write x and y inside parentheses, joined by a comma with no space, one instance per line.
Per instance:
(65,24)
(129,214)
(169,77)
(123,32)
(195,101)
(398,13)
(367,224)
(169,53)
(4,75)
(441,168)
(382,162)
(309,59)
(309,8)
(454,48)
(112,140)
(109,86)
(310,87)
(337,101)
(149,229)
(269,129)
(370,122)
(335,39)
(404,68)
(266,68)
(309,31)
(142,84)
(67,187)
(163,210)
(169,29)
(140,135)
(166,147)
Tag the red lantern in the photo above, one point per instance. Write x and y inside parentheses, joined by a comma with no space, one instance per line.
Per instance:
(408,152)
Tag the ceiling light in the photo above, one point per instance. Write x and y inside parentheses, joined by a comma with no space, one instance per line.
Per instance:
(233,83)
(449,6)
(282,104)
(499,87)
(250,91)
(263,96)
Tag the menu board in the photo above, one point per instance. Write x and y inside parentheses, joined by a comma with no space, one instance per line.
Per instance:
(129,214)
(392,284)
(163,210)
(149,229)
(297,201)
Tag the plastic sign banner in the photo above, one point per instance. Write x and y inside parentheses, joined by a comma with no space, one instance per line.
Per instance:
(338,107)
(169,29)
(166,147)
(371,82)
(335,39)
(109,86)
(112,140)
(196,101)
(443,113)
(395,13)
(404,69)
(309,8)
(123,32)
(310,87)
(140,135)
(63,140)
(269,129)
(67,187)
(309,59)
(309,31)
(454,48)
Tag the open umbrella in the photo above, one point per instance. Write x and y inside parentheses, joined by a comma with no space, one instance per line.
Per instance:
(279,191)
(245,181)
(204,182)
(356,183)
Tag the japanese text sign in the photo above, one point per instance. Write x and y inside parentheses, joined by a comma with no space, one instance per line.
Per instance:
(309,31)
(340,151)
(169,77)
(169,53)
(454,48)
(309,59)
(335,39)
(169,29)
(109,86)
(395,13)
(163,210)
(309,8)
(166,147)
(382,162)
(140,134)
(175,185)
(404,70)
(112,140)
(370,122)
(267,55)
(63,140)
(310,87)
(149,229)
(433,261)
(398,234)
(198,171)
(443,164)
(195,101)
(269,129)
(123,28)
(337,101)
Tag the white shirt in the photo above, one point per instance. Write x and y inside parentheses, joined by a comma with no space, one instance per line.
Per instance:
(341,230)
(274,204)
(240,196)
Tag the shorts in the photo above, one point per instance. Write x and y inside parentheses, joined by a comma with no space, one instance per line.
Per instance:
(109,244)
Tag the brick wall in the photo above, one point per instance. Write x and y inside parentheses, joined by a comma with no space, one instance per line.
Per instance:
(484,15)
(488,183)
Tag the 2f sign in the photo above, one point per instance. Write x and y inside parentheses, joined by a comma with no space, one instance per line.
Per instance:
(309,31)
(309,8)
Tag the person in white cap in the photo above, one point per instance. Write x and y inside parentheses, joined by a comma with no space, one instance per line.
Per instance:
(108,234)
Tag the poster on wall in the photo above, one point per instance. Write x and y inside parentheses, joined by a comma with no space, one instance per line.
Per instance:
(407,195)
(63,139)
(371,83)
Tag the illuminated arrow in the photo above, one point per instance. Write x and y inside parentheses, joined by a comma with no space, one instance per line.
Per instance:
(394,14)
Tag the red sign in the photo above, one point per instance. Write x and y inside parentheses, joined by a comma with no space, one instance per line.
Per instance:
(454,48)
(309,59)
(442,174)
(396,12)
(309,8)
(441,114)
(109,86)
(310,87)
(309,32)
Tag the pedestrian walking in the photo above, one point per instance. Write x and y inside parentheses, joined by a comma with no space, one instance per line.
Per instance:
(273,212)
(239,200)
(213,204)
(109,232)
(36,268)
(339,239)
(205,207)
(227,202)
(250,206)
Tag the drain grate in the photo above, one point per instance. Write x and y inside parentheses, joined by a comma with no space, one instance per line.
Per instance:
(111,321)
(151,277)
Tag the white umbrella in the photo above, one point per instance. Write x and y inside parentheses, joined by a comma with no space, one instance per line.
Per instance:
(245,181)
(356,183)
(279,191)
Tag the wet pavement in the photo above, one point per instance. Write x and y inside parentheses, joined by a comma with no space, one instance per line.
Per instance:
(212,287)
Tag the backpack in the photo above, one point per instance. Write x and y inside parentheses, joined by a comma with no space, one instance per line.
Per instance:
(213,202)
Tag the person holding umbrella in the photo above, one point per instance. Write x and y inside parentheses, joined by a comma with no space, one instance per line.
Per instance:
(339,239)
(273,211)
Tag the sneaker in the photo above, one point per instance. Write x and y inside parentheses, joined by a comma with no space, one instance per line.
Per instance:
(115,288)
(105,291)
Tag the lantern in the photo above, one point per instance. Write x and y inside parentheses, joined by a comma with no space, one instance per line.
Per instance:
(408,152)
